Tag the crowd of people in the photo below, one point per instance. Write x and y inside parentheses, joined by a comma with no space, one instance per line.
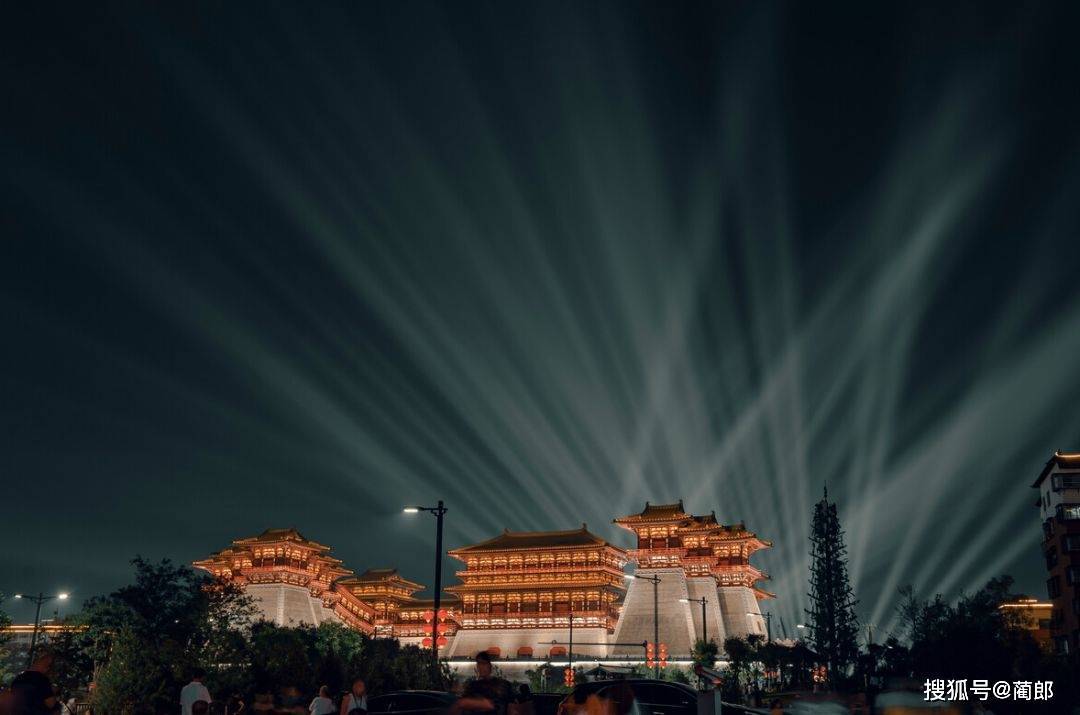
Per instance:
(195,699)
(32,693)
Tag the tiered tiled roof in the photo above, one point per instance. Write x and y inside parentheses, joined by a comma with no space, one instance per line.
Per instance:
(525,540)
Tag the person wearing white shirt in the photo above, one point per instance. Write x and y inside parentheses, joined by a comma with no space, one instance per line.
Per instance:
(322,705)
(193,692)
(355,702)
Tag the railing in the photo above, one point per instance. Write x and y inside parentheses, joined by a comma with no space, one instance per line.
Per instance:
(592,608)
(546,584)
(611,568)
(1068,512)
(1065,481)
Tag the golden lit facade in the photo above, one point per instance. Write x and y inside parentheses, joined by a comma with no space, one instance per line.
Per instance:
(291,579)
(397,613)
(668,537)
(535,580)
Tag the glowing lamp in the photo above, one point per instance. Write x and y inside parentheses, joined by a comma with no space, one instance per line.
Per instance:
(428,615)
(441,641)
(426,642)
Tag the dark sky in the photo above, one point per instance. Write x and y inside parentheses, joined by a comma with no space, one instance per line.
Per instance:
(271,264)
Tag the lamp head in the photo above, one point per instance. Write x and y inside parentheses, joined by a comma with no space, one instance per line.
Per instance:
(411,509)
(62,596)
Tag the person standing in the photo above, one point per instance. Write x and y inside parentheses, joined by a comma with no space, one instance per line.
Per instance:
(485,693)
(31,692)
(322,704)
(194,692)
(355,702)
(234,705)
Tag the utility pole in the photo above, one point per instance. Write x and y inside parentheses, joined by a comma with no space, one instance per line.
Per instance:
(704,624)
(439,511)
(656,612)
(39,600)
(570,652)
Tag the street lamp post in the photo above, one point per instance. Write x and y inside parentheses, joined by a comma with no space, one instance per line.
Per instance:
(570,652)
(656,613)
(39,600)
(439,511)
(704,625)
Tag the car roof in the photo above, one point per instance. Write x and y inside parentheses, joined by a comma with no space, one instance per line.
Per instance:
(649,681)
(595,685)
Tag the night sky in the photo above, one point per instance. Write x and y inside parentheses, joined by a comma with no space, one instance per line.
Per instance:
(268,265)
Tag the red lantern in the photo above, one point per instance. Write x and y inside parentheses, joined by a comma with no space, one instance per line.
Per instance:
(663,655)
(428,615)
(442,613)
(568,678)
(650,654)
(426,642)
(443,627)
(441,641)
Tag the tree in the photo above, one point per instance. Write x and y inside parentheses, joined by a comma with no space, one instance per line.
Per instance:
(976,638)
(705,653)
(72,661)
(833,625)
(282,656)
(8,668)
(741,653)
(144,637)
(134,676)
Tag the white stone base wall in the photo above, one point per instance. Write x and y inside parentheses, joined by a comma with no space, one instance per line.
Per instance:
(466,643)
(288,605)
(705,587)
(676,621)
(736,604)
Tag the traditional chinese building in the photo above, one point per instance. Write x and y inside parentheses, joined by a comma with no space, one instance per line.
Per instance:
(519,589)
(694,557)
(397,612)
(291,579)
(1059,510)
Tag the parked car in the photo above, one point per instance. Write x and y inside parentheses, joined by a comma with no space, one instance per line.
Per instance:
(652,697)
(413,702)
(546,703)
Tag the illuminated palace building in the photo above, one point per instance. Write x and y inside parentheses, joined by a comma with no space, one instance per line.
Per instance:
(397,613)
(693,558)
(295,581)
(519,591)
